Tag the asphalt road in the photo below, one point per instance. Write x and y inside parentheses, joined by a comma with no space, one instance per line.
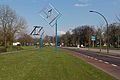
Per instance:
(99,56)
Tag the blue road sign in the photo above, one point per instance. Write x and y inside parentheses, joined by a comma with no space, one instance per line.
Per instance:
(93,38)
(51,15)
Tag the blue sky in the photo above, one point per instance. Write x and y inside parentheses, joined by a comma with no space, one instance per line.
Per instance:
(74,12)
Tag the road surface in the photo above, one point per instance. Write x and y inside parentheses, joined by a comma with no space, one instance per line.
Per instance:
(104,57)
(107,63)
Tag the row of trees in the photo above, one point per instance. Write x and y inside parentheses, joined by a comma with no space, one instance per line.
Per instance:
(10,25)
(82,36)
(12,29)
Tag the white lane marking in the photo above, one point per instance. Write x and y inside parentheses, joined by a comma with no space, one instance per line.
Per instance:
(106,62)
(88,56)
(96,59)
(114,65)
(91,57)
(100,60)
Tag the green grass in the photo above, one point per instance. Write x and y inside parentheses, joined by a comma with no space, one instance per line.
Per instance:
(11,48)
(47,64)
(28,47)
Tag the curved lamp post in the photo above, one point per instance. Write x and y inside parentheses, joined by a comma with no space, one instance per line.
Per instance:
(107,27)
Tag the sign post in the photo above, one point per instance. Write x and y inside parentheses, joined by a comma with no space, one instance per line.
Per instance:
(41,39)
(36,31)
(50,14)
(56,36)
(93,38)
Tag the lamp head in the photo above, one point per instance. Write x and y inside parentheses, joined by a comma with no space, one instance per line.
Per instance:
(90,11)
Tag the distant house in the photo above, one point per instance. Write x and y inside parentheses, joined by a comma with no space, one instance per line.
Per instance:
(16,44)
(46,44)
(52,44)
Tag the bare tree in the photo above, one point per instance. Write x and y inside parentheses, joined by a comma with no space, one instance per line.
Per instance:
(99,35)
(82,34)
(114,32)
(25,39)
(10,23)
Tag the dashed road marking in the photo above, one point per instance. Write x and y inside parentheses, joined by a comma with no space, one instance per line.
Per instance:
(100,60)
(91,57)
(96,59)
(88,56)
(114,65)
(106,62)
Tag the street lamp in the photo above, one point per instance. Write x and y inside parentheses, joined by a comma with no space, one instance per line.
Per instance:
(107,27)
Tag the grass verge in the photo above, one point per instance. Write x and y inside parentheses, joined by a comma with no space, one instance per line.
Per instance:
(47,64)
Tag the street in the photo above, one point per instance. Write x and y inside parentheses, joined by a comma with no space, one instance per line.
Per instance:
(103,57)
(107,63)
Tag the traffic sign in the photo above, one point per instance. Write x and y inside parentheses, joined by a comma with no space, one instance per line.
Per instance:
(93,38)
(50,14)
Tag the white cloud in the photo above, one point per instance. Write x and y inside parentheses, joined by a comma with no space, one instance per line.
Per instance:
(61,32)
(82,3)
